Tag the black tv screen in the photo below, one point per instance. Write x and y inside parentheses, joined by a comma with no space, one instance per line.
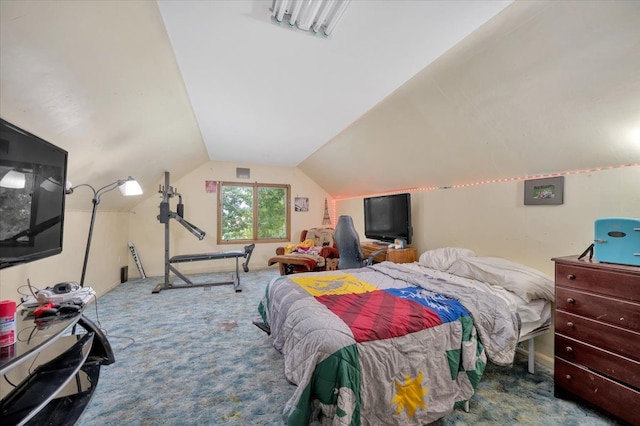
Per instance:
(33,173)
(388,217)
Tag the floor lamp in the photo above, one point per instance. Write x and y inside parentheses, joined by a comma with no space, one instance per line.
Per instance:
(127,186)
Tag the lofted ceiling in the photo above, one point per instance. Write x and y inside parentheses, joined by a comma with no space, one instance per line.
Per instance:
(266,94)
(421,93)
(99,79)
(543,88)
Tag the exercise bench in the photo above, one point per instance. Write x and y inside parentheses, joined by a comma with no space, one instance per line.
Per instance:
(237,254)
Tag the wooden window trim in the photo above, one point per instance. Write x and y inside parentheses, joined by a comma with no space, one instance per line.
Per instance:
(255,186)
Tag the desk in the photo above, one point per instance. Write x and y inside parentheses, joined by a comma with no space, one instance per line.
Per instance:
(406,255)
(42,366)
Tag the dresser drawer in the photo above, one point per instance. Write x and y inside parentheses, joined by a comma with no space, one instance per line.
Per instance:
(609,337)
(621,284)
(616,398)
(599,360)
(606,309)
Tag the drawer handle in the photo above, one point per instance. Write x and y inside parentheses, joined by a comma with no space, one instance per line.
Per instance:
(571,300)
(569,349)
(569,324)
(568,377)
(571,277)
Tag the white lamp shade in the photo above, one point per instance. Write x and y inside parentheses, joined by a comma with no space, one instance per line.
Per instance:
(13,179)
(131,187)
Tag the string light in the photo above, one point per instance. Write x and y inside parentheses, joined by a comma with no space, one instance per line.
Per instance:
(484,182)
(334,210)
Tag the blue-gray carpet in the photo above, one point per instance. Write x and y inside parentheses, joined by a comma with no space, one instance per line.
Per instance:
(193,357)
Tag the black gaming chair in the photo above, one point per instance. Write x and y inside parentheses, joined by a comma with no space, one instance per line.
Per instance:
(348,243)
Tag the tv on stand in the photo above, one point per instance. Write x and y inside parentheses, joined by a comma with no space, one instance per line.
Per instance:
(388,217)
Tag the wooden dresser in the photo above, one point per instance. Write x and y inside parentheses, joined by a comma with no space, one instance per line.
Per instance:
(597,335)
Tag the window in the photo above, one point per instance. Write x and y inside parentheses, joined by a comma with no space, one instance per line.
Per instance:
(253,212)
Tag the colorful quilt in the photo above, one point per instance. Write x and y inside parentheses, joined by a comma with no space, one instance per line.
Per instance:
(380,345)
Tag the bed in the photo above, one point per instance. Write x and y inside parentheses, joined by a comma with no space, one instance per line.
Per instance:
(400,344)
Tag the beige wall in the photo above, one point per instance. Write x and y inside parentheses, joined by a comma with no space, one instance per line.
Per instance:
(108,254)
(147,233)
(112,230)
(492,220)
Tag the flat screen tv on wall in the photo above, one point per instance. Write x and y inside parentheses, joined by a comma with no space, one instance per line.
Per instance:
(33,173)
(388,217)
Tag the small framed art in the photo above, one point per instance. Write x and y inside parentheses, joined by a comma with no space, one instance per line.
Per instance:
(544,191)
(302,204)
(210,186)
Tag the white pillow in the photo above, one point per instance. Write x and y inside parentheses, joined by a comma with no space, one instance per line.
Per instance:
(442,258)
(528,283)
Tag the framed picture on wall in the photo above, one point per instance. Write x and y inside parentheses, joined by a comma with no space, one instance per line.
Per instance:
(544,191)
(301,204)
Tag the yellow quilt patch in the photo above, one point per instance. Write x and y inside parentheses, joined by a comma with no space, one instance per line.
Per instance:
(409,395)
(333,284)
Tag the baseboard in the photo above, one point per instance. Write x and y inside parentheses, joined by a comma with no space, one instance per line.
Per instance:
(544,360)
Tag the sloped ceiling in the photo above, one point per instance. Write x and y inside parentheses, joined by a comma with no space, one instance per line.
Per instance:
(267,94)
(99,79)
(540,87)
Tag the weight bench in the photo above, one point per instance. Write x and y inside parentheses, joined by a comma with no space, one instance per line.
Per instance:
(246,253)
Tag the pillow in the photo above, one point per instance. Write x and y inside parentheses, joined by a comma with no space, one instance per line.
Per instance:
(442,258)
(528,283)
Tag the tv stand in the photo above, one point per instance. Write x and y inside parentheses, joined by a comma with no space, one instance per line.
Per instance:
(406,255)
(51,373)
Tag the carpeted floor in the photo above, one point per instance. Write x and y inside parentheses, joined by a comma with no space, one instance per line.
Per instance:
(193,357)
